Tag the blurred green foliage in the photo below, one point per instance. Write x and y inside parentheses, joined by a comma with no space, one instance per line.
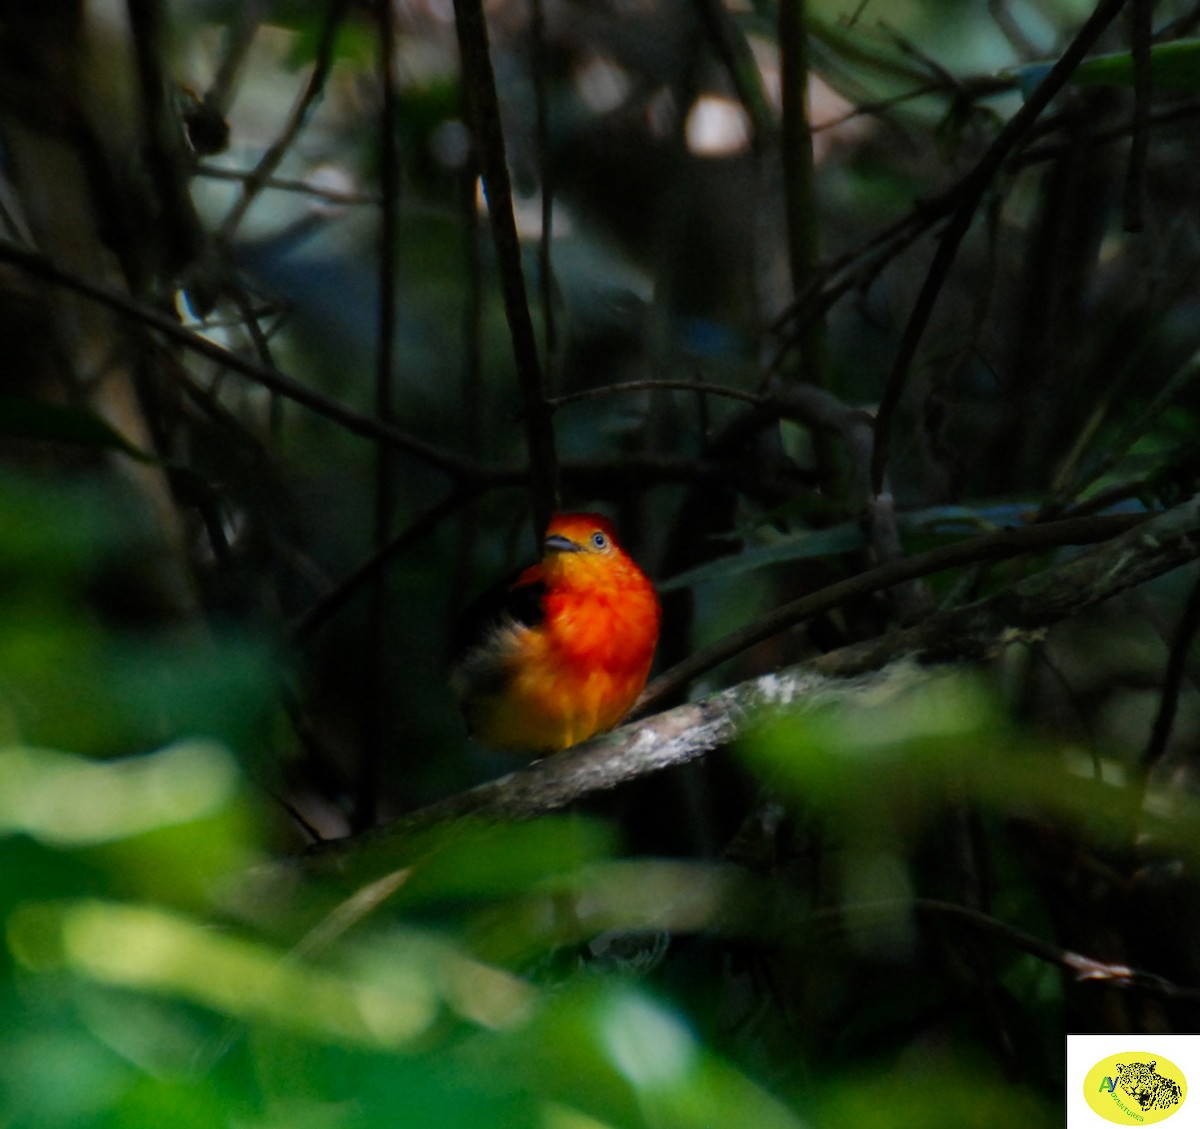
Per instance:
(159,969)
(119,1009)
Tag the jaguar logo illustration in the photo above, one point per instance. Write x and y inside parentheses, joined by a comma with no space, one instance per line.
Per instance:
(1136,1088)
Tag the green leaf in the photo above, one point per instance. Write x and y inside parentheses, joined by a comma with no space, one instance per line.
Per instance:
(1173,66)
(816,543)
(847,537)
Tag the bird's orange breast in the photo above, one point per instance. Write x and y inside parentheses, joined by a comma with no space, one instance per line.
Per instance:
(575,676)
(545,681)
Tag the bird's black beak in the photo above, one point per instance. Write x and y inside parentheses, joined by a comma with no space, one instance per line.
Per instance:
(556,543)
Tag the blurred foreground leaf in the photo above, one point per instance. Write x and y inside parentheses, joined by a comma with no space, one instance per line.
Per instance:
(630,1060)
(66,800)
(155,951)
(893,759)
(926,1092)
(171,825)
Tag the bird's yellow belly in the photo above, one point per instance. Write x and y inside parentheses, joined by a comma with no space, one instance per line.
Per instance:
(548,710)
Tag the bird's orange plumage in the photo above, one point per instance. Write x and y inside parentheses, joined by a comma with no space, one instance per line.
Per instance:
(561,651)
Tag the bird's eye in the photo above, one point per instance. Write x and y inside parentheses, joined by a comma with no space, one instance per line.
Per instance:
(599,541)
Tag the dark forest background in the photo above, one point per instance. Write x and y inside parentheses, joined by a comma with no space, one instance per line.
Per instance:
(872,325)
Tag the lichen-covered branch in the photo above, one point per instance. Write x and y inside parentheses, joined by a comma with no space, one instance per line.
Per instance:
(687,732)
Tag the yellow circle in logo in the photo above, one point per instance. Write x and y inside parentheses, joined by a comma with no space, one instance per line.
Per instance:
(1137,1088)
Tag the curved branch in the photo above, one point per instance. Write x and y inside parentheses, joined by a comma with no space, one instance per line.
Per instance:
(373,567)
(991,547)
(821,410)
(687,732)
(699,386)
(457,467)
(290,184)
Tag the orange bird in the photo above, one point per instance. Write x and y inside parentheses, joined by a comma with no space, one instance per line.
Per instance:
(560,650)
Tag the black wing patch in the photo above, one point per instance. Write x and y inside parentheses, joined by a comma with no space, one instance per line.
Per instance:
(500,604)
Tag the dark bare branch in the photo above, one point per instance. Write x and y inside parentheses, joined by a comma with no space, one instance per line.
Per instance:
(483,108)
(973,188)
(297,119)
(1002,545)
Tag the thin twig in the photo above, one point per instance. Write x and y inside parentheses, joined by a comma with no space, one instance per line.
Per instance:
(1114,495)
(800,201)
(294,813)
(1011,29)
(607,477)
(699,386)
(946,79)
(734,52)
(321,765)
(164,149)
(209,403)
(823,413)
(277,150)
(857,47)
(1053,151)
(1137,427)
(472,385)
(249,322)
(484,108)
(991,547)
(1180,27)
(856,269)
(611,478)
(1141,33)
(374,694)
(1037,602)
(373,566)
(236,42)
(287,184)
(458,467)
(972,188)
(852,269)
(1083,968)
(542,127)
(1168,703)
(978,87)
